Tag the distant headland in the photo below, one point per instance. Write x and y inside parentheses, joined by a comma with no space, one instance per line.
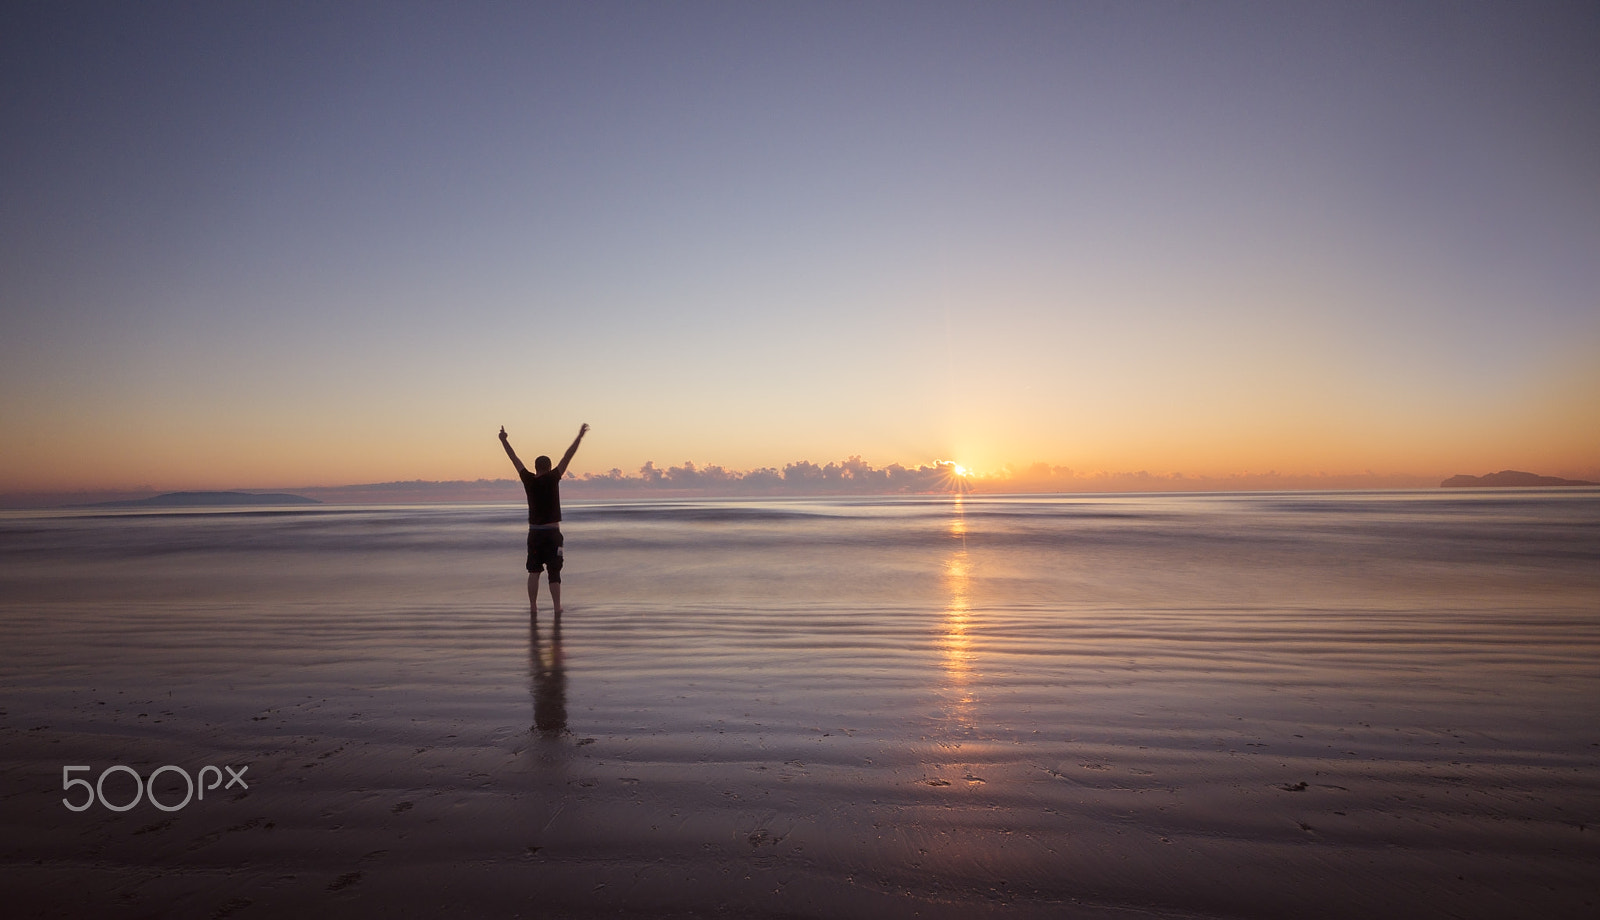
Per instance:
(207,499)
(1510,479)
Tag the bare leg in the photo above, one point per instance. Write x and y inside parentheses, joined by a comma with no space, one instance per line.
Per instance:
(555,596)
(533,593)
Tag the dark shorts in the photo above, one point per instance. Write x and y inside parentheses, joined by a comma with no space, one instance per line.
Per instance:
(544,550)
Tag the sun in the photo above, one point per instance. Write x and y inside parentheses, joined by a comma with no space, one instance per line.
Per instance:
(954,475)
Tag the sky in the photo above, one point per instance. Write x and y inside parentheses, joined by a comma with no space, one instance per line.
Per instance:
(261,245)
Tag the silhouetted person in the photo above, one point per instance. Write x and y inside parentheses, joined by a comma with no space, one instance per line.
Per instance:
(544,518)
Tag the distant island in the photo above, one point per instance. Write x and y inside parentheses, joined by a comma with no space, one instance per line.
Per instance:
(205,499)
(1510,479)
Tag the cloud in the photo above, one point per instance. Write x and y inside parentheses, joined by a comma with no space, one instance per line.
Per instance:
(851,476)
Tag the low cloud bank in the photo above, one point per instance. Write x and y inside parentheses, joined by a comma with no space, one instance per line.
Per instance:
(802,477)
(853,476)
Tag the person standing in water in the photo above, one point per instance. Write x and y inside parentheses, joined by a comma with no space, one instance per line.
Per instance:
(544,517)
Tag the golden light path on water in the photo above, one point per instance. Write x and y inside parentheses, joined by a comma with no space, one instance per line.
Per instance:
(955,643)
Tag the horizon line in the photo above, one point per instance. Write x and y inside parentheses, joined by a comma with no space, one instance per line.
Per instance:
(808,480)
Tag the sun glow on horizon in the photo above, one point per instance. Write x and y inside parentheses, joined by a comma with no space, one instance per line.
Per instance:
(956,477)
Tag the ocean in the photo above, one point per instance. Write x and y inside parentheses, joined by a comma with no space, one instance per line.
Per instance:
(1244,705)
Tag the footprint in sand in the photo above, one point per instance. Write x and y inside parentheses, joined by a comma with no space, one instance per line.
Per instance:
(345,881)
(230,906)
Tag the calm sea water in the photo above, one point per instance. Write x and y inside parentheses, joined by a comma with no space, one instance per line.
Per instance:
(1125,677)
(1382,550)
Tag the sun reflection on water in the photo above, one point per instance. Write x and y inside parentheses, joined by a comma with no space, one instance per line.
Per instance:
(955,643)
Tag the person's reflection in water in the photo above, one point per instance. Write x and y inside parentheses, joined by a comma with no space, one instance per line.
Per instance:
(547,681)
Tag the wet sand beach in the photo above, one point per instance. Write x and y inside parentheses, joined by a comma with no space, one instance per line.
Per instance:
(1312,705)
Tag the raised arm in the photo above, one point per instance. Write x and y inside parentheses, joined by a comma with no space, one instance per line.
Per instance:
(506,443)
(566,458)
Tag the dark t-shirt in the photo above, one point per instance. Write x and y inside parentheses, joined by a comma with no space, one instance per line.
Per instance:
(544,498)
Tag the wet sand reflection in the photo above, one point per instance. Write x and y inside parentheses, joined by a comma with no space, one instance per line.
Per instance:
(547,681)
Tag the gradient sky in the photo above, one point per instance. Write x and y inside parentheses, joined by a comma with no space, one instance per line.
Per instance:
(279,244)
